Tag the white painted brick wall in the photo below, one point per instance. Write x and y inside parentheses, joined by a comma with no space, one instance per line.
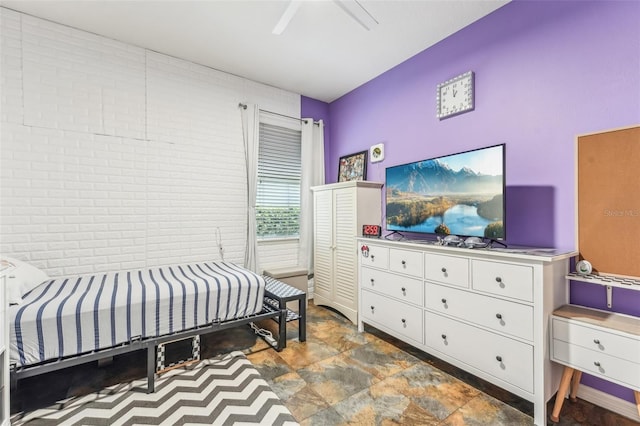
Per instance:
(115,157)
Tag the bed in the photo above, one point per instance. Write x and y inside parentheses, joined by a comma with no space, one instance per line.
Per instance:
(71,320)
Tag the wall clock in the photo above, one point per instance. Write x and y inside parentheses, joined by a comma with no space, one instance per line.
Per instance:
(455,96)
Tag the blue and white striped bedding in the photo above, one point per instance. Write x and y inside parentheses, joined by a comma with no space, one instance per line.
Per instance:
(71,316)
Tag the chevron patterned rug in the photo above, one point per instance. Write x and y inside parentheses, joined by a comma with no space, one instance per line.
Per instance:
(224,390)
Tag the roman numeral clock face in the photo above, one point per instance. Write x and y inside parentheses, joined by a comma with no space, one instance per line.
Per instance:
(455,96)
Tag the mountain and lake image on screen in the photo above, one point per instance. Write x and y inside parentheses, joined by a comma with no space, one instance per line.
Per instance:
(460,194)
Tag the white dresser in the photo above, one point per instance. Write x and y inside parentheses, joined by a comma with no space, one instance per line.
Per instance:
(485,311)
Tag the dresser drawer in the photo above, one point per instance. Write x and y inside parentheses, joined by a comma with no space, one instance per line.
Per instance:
(397,316)
(507,317)
(400,287)
(446,269)
(506,359)
(596,339)
(503,279)
(594,362)
(377,256)
(406,262)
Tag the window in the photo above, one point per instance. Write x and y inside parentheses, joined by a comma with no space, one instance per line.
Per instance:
(279,175)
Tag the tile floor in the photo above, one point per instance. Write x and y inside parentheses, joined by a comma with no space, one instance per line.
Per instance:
(338,377)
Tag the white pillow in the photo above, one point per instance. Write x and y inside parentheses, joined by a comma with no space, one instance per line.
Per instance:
(21,280)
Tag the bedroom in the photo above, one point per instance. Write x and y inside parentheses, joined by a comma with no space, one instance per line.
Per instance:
(137,187)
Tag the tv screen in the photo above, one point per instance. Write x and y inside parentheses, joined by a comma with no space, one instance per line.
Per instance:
(460,194)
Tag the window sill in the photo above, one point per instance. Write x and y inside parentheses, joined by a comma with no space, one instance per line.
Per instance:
(278,240)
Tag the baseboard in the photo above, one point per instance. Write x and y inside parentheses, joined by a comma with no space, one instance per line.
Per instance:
(610,402)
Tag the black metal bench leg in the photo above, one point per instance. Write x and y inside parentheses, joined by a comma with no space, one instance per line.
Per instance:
(282,328)
(302,321)
(151,368)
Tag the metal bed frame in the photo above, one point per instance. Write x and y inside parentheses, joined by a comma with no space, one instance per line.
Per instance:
(150,345)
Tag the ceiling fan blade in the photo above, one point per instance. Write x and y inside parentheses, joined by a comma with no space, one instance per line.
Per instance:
(358,13)
(286,17)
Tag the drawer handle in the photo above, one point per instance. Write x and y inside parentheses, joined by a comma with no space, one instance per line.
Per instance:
(499,358)
(498,279)
(444,337)
(443,300)
(403,263)
(444,269)
(596,341)
(596,363)
(499,316)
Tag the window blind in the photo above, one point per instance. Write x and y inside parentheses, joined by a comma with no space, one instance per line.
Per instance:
(279,175)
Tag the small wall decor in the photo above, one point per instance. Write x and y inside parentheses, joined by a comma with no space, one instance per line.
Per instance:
(376,153)
(353,167)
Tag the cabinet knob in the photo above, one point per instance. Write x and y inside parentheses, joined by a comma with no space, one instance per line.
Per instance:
(444,336)
(403,263)
(499,358)
(596,363)
(596,341)
(443,300)
(404,321)
(499,316)
(372,308)
(404,290)
(372,256)
(372,281)
(444,269)
(498,279)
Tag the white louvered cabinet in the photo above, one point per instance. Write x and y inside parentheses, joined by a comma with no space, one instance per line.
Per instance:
(340,210)
(4,353)
(484,311)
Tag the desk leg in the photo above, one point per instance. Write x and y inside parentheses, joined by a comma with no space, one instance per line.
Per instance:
(575,382)
(562,391)
(302,322)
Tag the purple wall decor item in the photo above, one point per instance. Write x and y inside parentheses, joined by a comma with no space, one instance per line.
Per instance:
(545,72)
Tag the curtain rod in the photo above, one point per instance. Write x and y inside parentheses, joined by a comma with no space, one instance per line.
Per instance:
(244,106)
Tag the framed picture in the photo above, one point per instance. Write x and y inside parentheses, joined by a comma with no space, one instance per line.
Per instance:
(353,167)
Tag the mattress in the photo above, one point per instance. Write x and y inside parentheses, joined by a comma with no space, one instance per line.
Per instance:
(75,315)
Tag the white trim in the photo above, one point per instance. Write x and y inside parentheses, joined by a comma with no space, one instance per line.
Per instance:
(610,402)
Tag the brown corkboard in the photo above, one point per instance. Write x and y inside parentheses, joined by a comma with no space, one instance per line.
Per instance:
(609,201)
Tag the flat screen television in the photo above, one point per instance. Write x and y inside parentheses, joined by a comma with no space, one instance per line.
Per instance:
(461,194)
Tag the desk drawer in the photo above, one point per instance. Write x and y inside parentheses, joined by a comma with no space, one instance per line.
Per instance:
(596,339)
(397,316)
(502,279)
(400,287)
(608,367)
(500,315)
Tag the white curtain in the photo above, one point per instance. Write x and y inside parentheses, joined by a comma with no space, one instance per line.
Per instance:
(312,154)
(250,134)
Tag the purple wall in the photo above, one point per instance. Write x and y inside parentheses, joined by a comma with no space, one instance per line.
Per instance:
(545,72)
